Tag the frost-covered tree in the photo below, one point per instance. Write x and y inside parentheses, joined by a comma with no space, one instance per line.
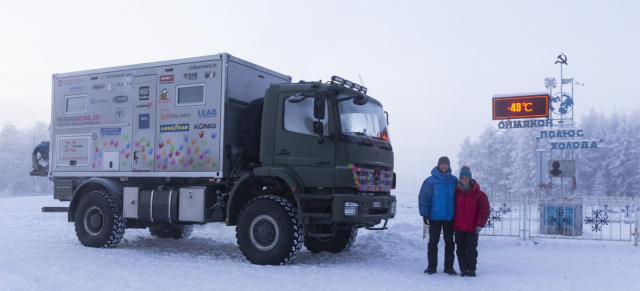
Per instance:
(16,146)
(506,162)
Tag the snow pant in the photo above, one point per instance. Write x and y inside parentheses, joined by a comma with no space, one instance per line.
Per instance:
(466,250)
(435,227)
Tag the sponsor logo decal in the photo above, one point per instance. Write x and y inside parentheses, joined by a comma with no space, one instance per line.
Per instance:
(148,105)
(119,113)
(78,120)
(98,86)
(174,127)
(111,87)
(166,79)
(115,75)
(207,113)
(123,84)
(76,88)
(143,93)
(165,114)
(204,125)
(110,131)
(191,76)
(120,99)
(164,96)
(71,146)
(69,82)
(209,75)
(198,67)
(143,121)
(94,101)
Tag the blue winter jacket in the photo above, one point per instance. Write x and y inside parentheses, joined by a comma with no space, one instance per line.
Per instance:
(437,195)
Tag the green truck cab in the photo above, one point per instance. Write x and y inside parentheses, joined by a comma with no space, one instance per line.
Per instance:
(326,147)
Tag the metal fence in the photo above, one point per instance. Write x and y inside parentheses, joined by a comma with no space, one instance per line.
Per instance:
(588,218)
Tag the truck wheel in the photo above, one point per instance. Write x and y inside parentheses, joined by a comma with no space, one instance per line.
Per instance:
(167,230)
(250,130)
(340,242)
(98,224)
(268,231)
(39,159)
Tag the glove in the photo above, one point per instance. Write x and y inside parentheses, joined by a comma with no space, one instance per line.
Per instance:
(478,229)
(426,220)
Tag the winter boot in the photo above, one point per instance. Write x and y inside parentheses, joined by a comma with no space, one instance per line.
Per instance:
(472,273)
(451,272)
(430,271)
(464,273)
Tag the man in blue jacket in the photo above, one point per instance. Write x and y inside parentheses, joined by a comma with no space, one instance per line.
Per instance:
(437,202)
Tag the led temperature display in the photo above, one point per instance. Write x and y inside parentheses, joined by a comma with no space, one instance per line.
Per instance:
(521,106)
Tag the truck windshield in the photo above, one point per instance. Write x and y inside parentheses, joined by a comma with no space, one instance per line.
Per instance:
(366,120)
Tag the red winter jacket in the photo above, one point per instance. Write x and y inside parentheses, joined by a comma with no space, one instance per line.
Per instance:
(472,209)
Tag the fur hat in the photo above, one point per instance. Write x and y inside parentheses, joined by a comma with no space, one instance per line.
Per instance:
(466,171)
(444,160)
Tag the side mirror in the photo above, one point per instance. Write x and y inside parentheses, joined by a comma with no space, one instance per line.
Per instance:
(318,128)
(319,105)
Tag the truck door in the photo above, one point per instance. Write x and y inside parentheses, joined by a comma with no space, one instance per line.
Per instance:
(297,146)
(143,139)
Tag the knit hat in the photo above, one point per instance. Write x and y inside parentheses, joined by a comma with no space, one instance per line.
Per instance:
(465,171)
(444,160)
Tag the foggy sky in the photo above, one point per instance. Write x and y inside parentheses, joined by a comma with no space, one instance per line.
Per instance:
(433,64)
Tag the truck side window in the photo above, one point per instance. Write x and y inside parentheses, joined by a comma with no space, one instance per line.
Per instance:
(75,104)
(190,95)
(298,117)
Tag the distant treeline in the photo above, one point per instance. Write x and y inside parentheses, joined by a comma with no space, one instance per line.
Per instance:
(503,161)
(506,161)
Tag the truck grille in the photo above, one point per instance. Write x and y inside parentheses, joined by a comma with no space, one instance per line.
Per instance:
(371,179)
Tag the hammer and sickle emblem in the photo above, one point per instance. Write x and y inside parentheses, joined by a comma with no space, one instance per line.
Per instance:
(562,59)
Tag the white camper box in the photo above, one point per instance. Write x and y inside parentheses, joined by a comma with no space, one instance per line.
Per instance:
(162,119)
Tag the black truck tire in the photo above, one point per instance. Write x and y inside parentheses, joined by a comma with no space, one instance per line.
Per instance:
(97,222)
(340,242)
(268,231)
(168,230)
(39,159)
(250,128)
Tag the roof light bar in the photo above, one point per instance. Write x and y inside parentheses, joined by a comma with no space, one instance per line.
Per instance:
(349,84)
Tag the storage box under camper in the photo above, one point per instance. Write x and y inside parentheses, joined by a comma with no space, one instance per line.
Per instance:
(173,118)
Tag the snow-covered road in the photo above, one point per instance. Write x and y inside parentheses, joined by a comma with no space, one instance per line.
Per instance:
(39,251)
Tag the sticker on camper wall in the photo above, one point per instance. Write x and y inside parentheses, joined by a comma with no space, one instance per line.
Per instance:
(119,113)
(164,96)
(166,79)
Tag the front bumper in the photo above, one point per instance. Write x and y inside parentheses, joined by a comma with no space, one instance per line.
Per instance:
(368,210)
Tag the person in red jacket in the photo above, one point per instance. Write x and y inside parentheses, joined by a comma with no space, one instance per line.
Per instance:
(470,216)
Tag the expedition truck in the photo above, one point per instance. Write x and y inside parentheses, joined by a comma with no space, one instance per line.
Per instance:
(170,144)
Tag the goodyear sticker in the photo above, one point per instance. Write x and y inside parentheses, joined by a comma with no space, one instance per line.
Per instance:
(174,127)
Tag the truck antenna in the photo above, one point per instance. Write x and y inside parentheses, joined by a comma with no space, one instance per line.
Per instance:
(361,83)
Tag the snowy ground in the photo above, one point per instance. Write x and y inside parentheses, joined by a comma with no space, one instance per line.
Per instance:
(39,251)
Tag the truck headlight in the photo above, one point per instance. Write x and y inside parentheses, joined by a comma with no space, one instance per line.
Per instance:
(393,207)
(350,209)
